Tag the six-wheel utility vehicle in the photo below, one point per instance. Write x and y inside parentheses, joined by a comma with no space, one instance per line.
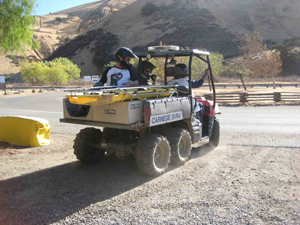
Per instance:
(157,124)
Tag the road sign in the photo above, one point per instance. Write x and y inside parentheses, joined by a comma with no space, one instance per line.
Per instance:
(2,79)
(95,78)
(87,78)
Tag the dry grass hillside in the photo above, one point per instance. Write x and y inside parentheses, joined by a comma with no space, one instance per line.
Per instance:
(209,24)
(56,29)
(193,23)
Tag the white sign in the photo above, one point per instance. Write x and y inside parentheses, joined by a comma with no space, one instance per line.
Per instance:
(165,118)
(95,78)
(87,78)
(2,79)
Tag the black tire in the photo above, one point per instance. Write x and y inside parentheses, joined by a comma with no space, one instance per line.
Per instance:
(83,145)
(215,136)
(153,155)
(181,145)
(109,133)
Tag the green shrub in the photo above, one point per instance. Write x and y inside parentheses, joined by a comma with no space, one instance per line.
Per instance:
(59,19)
(148,9)
(32,73)
(235,70)
(57,71)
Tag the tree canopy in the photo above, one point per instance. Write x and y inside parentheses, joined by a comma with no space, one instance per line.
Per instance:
(16,26)
(290,55)
(148,9)
(259,59)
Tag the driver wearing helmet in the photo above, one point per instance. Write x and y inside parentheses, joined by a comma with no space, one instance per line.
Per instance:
(120,74)
(183,81)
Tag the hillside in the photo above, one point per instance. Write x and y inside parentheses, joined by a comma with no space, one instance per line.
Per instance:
(189,23)
(209,24)
(56,29)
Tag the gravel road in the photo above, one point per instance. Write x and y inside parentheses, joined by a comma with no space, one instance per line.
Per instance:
(232,184)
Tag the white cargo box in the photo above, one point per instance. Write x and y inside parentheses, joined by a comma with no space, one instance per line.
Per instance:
(127,112)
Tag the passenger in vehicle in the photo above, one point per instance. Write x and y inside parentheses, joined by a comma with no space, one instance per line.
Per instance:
(120,74)
(146,77)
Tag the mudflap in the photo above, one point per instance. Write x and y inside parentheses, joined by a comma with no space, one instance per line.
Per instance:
(197,128)
(211,120)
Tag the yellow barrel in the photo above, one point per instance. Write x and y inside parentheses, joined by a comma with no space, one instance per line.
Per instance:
(24,131)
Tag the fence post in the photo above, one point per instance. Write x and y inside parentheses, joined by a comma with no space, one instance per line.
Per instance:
(243,97)
(277,96)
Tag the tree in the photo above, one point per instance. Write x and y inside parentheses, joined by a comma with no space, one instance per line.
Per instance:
(104,46)
(15,30)
(257,58)
(290,55)
(148,9)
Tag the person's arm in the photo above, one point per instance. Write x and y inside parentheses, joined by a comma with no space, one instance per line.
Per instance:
(103,79)
(134,79)
(199,83)
(98,84)
(153,77)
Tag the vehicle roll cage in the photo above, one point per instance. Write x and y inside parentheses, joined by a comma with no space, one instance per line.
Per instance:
(202,55)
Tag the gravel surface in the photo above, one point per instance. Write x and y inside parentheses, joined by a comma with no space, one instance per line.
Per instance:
(233,184)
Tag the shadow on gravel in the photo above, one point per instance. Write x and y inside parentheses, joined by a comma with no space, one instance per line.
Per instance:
(50,195)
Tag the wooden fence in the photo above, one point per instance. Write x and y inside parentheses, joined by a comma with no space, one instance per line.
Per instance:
(280,85)
(248,97)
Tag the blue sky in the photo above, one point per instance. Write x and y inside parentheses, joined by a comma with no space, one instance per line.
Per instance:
(44,7)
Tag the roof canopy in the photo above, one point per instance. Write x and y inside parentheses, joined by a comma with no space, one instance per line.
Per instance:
(173,53)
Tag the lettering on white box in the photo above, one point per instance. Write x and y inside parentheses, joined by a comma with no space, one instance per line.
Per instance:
(135,106)
(165,118)
(110,111)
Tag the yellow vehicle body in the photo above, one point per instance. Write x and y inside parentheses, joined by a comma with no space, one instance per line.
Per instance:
(108,98)
(24,131)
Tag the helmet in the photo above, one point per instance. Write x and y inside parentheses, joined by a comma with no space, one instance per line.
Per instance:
(121,54)
(147,65)
(183,68)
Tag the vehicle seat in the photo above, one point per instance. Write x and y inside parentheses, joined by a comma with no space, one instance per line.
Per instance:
(177,73)
(174,72)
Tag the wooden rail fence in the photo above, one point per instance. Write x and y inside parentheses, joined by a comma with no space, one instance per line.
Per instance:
(280,85)
(248,97)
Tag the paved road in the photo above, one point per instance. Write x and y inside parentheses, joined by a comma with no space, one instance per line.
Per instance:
(240,125)
(43,105)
